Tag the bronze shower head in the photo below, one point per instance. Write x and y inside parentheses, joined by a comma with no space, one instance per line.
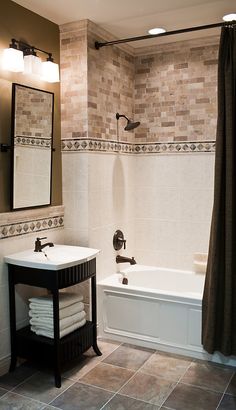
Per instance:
(130,125)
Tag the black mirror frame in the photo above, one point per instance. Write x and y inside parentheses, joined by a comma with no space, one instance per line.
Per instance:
(14,85)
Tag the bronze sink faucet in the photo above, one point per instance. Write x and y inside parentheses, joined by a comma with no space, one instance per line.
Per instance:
(39,246)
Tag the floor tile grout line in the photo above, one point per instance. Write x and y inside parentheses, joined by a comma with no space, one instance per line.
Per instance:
(25,397)
(28,397)
(79,382)
(177,382)
(137,371)
(202,388)
(61,393)
(7,391)
(38,371)
(88,357)
(117,392)
(225,390)
(108,401)
(26,379)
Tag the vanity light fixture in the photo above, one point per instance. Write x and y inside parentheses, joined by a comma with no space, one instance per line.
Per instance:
(229,17)
(13,58)
(50,70)
(32,63)
(22,57)
(156,30)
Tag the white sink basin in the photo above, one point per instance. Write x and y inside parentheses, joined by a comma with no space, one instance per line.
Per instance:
(55,258)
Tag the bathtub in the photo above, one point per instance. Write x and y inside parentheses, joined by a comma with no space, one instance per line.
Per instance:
(159,308)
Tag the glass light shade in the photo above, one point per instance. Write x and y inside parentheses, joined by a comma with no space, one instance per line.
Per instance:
(230,17)
(33,65)
(156,30)
(13,60)
(50,72)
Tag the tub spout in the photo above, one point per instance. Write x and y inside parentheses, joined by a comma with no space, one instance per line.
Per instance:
(123,259)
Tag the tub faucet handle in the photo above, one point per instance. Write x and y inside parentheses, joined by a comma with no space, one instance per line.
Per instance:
(119,240)
(123,241)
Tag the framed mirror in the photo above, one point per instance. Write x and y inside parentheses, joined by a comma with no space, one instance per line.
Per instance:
(32,138)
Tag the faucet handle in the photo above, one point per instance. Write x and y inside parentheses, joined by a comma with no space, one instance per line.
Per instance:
(123,241)
(118,240)
(40,239)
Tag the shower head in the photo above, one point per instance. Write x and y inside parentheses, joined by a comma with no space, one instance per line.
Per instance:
(130,125)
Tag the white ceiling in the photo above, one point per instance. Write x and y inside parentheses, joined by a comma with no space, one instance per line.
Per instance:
(128,18)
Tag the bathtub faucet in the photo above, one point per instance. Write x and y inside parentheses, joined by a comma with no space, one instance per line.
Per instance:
(122,259)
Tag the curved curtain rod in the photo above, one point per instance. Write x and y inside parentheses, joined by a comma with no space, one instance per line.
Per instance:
(98,45)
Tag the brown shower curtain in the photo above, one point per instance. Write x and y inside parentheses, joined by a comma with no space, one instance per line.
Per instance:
(219,299)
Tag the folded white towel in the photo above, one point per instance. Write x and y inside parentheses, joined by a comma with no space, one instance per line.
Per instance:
(40,331)
(65,299)
(40,311)
(47,324)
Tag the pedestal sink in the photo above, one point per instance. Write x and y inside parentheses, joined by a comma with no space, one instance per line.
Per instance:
(55,258)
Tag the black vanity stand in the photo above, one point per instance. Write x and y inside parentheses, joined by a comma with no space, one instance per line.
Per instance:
(55,352)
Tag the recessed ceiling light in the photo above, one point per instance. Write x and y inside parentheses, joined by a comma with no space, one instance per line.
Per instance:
(157,30)
(229,17)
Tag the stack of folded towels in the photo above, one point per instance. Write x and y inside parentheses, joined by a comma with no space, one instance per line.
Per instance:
(71,314)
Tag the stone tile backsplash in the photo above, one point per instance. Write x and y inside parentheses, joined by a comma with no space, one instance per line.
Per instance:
(170,88)
(175,93)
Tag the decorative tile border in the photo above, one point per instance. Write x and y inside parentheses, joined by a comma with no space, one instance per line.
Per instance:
(175,147)
(33,141)
(95,145)
(85,144)
(30,226)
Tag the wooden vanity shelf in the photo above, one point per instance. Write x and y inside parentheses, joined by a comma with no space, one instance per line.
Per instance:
(55,352)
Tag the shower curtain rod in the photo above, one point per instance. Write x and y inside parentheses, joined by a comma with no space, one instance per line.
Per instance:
(167,33)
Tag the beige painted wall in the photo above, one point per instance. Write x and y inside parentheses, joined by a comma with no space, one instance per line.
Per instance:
(20,23)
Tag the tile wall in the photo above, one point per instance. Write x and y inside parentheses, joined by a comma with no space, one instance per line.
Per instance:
(32,118)
(97,197)
(173,196)
(110,89)
(74,89)
(175,91)
(161,198)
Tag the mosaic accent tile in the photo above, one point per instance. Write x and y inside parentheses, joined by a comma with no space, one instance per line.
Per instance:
(25,227)
(33,142)
(85,145)
(96,145)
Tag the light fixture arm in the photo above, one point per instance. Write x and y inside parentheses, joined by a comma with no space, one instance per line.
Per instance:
(21,57)
(25,47)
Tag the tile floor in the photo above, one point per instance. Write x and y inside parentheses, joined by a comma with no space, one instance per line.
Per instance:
(125,377)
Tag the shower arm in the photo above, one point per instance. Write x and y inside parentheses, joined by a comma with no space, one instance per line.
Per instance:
(118,116)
